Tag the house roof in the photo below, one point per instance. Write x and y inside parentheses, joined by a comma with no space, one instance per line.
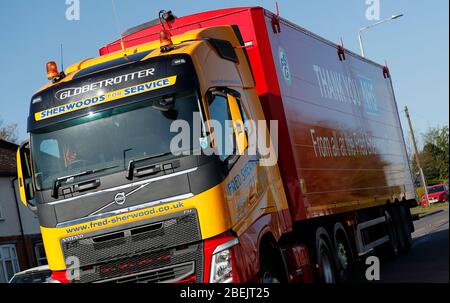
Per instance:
(7,158)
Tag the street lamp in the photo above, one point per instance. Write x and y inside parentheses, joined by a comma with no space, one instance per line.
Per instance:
(372,25)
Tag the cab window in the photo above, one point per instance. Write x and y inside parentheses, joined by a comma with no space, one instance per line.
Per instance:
(223,137)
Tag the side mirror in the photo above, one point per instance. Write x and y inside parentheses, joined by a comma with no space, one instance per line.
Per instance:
(26,187)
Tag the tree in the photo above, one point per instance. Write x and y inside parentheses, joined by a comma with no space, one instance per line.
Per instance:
(434,156)
(8,132)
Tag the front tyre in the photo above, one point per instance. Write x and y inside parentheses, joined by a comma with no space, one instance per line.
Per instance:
(272,265)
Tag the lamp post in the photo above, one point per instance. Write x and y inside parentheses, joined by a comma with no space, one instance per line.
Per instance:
(372,25)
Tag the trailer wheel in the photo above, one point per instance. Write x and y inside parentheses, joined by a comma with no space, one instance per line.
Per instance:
(398,224)
(404,227)
(324,256)
(343,253)
(391,248)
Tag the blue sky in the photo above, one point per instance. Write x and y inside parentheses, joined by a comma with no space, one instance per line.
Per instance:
(416,46)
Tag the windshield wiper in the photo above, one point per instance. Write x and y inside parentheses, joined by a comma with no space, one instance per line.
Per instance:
(151,169)
(58,182)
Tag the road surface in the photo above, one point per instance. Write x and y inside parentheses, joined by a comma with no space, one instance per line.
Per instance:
(427,262)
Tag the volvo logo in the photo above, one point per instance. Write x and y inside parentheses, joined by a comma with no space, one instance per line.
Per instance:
(120,198)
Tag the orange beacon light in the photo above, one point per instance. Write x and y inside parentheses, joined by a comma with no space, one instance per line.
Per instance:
(52,70)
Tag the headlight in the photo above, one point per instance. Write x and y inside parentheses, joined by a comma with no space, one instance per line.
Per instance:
(221,263)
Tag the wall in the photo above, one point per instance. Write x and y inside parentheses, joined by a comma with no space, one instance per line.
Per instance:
(9,226)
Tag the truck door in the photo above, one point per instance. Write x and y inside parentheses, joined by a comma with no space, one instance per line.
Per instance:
(242,185)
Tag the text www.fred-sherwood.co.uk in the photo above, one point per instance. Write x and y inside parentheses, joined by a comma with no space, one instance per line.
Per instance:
(124,218)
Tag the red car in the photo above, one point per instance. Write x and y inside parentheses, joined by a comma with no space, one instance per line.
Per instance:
(436,193)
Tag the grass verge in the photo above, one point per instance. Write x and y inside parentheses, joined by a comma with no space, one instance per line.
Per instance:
(419,210)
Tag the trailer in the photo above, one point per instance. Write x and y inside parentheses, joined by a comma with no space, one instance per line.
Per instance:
(340,187)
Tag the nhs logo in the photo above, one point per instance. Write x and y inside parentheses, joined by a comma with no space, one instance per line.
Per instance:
(367,92)
(347,88)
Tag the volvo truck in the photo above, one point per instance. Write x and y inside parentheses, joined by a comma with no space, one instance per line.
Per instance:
(293,168)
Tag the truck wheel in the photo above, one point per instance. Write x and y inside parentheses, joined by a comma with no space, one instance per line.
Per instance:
(325,262)
(272,267)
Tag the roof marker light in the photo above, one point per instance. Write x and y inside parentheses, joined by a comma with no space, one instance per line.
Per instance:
(178,61)
(37,100)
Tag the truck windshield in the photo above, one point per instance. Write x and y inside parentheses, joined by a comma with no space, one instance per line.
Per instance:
(104,142)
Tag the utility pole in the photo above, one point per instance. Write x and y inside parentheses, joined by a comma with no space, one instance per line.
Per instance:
(416,152)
